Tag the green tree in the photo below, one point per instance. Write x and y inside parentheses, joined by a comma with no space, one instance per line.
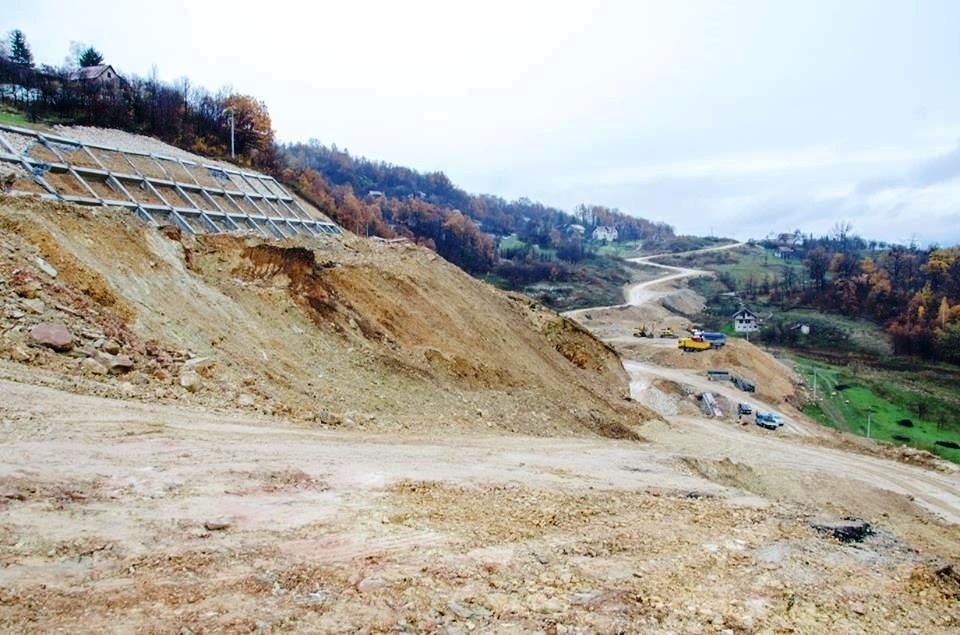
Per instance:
(90,57)
(19,49)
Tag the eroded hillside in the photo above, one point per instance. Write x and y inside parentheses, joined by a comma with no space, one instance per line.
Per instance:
(336,331)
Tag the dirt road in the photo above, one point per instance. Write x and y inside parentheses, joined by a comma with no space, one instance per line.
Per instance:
(645,292)
(639,370)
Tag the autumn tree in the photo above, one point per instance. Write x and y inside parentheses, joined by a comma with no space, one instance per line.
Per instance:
(20,51)
(253,129)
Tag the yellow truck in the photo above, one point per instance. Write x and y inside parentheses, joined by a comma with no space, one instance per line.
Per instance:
(693,344)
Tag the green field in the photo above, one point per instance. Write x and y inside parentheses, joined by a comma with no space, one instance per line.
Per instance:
(915,408)
(511,242)
(624,249)
(13,118)
(742,264)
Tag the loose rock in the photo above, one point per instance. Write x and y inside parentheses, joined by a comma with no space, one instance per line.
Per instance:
(46,267)
(55,336)
(110,346)
(190,380)
(35,305)
(219,524)
(371,584)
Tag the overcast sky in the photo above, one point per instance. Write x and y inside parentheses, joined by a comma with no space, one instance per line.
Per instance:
(739,118)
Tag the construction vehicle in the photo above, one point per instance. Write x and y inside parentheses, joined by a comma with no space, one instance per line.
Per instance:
(742,384)
(693,344)
(717,339)
(667,332)
(643,331)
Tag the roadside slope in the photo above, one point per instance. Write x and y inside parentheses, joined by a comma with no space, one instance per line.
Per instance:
(341,331)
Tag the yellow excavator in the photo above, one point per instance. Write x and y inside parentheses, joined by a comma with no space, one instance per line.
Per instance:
(643,331)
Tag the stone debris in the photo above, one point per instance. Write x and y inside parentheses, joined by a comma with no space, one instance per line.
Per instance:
(46,267)
(191,380)
(52,335)
(845,530)
(219,524)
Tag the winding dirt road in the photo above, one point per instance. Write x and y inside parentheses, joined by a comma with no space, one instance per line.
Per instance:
(707,439)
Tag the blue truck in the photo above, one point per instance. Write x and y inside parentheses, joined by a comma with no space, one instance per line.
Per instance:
(716,339)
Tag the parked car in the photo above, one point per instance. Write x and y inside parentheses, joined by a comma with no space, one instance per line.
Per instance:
(742,383)
(744,408)
(769,420)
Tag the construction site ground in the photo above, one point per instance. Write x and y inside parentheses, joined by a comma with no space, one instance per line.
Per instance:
(342,435)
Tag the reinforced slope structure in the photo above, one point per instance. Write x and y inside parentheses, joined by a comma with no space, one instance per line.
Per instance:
(197,197)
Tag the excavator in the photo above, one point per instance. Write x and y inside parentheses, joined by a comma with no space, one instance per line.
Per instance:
(643,331)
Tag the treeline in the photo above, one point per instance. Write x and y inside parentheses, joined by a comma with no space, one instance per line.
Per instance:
(378,198)
(533,221)
(446,231)
(178,113)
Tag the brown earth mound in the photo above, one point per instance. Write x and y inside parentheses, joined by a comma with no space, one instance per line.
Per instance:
(775,382)
(340,331)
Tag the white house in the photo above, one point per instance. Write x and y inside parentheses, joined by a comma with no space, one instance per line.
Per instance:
(605,232)
(746,321)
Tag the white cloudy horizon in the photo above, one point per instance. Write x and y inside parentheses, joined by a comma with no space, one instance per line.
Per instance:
(739,118)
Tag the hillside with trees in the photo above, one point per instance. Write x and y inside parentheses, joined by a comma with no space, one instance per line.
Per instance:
(910,292)
(367,197)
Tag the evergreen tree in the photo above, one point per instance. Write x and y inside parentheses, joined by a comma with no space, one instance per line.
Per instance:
(90,57)
(19,49)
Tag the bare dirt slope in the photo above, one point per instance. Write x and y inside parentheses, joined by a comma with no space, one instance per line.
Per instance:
(339,331)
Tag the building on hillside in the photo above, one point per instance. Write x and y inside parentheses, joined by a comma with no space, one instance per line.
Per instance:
(605,232)
(576,230)
(786,253)
(375,194)
(746,321)
(103,74)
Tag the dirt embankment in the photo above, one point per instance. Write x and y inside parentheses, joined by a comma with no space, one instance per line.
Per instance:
(339,331)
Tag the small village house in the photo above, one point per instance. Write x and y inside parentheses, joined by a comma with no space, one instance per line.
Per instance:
(605,232)
(103,74)
(746,321)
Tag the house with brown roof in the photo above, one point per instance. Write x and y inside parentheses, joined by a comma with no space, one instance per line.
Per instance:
(101,74)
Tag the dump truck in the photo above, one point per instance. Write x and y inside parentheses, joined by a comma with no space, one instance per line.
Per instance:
(693,344)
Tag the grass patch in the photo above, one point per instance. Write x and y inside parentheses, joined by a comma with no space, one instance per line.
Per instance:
(618,249)
(13,118)
(899,408)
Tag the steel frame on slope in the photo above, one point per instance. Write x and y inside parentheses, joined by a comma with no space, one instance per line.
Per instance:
(276,210)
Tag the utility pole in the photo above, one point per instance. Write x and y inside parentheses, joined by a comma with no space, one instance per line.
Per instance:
(233,154)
